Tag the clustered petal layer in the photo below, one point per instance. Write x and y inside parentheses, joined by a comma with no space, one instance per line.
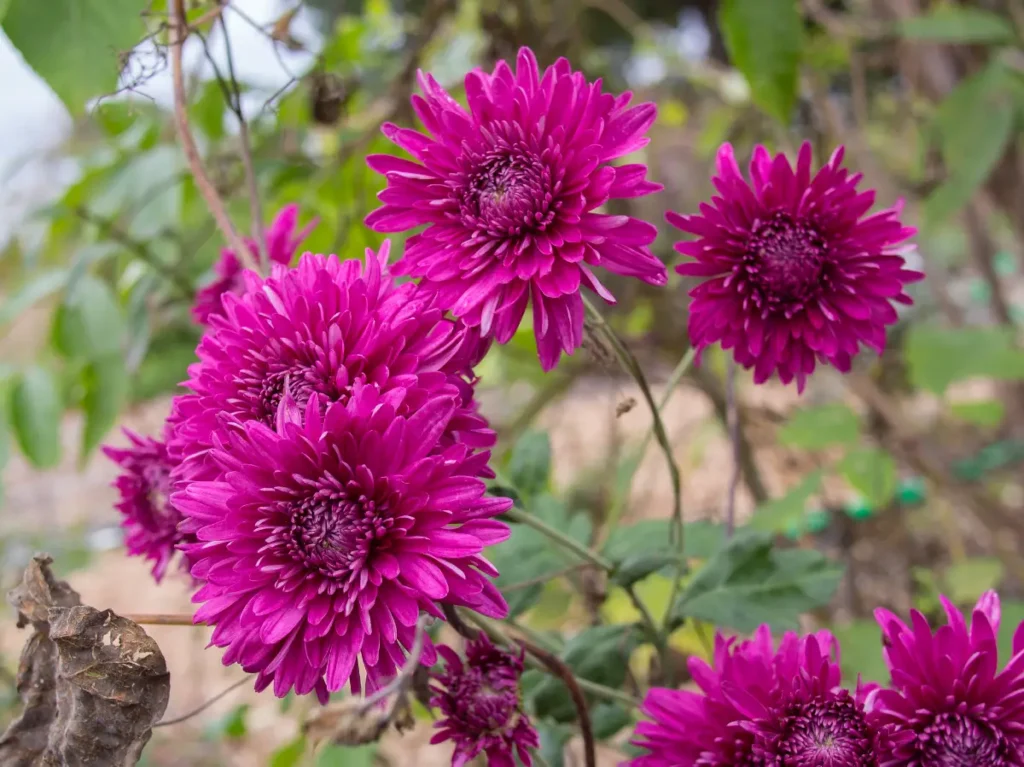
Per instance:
(793,269)
(329,532)
(508,192)
(481,708)
(948,694)
(150,520)
(282,242)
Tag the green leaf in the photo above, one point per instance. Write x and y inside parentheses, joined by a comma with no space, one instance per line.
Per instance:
(974,124)
(764,39)
(986,413)
(958,24)
(105,385)
(872,473)
(36,409)
(290,754)
(749,582)
(819,427)
(347,756)
(702,539)
(208,110)
(75,45)
(232,726)
(529,466)
(781,515)
(528,553)
(608,719)
(638,566)
(862,652)
(89,324)
(937,356)
(553,739)
(967,580)
(1012,616)
(36,289)
(600,654)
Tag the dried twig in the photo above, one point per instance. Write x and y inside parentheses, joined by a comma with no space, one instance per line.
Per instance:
(203,706)
(733,421)
(163,619)
(179,33)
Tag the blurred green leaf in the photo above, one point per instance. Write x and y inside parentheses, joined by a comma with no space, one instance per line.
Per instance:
(974,124)
(872,473)
(147,192)
(553,739)
(1012,616)
(819,427)
(347,756)
(967,580)
(599,654)
(987,413)
(608,719)
(233,725)
(701,539)
(89,324)
(39,287)
(862,652)
(764,39)
(36,409)
(105,385)
(938,356)
(529,466)
(958,24)
(75,45)
(208,110)
(750,582)
(290,754)
(781,515)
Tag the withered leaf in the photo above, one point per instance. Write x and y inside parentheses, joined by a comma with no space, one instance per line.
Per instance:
(93,684)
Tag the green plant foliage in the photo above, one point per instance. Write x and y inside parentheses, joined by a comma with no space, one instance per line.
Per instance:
(105,390)
(967,580)
(641,549)
(987,413)
(35,408)
(89,324)
(529,466)
(749,582)
(816,428)
(938,356)
(765,38)
(787,513)
(958,24)
(862,652)
(872,473)
(75,45)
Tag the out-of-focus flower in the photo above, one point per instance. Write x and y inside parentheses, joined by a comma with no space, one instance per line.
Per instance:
(326,536)
(794,270)
(508,192)
(949,699)
(282,242)
(481,708)
(149,519)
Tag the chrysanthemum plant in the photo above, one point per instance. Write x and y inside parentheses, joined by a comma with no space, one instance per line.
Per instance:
(330,486)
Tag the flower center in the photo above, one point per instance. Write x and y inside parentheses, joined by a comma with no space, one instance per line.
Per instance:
(785,258)
(482,708)
(953,740)
(507,190)
(300,383)
(334,535)
(157,489)
(826,732)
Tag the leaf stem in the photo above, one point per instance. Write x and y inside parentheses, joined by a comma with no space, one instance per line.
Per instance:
(517,515)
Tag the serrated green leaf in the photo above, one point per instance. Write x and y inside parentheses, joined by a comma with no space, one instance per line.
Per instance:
(987,413)
(937,356)
(89,324)
(105,386)
(749,582)
(529,466)
(958,24)
(815,428)
(765,39)
(872,473)
(967,580)
(783,514)
(75,45)
(35,409)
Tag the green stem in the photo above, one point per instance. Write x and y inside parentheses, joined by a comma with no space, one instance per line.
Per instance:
(516,515)
(631,366)
(657,636)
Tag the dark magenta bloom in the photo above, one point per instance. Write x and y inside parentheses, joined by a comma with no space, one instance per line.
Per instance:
(480,705)
(761,707)
(150,520)
(326,535)
(282,242)
(321,328)
(948,696)
(508,193)
(794,270)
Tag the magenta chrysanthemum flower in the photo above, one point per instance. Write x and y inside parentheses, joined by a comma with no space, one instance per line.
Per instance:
(150,520)
(760,708)
(947,693)
(282,242)
(481,706)
(796,272)
(321,328)
(329,534)
(508,192)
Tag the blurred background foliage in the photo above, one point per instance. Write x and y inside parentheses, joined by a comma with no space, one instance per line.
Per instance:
(890,486)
